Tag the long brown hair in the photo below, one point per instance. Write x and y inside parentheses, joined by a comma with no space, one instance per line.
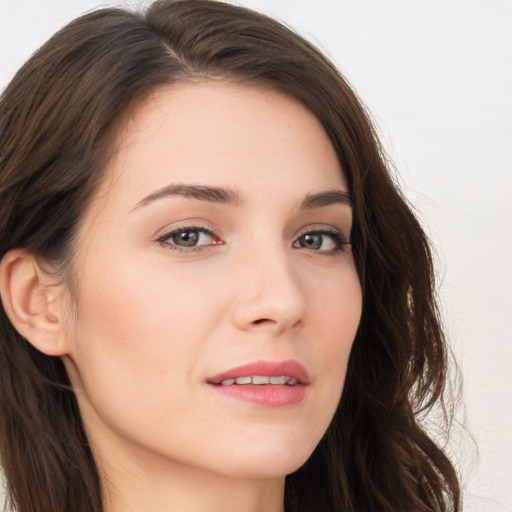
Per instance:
(57,120)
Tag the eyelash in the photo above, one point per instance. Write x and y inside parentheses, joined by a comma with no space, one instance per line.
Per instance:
(340,241)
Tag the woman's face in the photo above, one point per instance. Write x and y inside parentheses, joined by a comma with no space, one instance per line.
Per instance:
(214,250)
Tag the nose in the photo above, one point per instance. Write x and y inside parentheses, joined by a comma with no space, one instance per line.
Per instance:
(269,293)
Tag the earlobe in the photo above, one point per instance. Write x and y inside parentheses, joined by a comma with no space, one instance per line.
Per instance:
(33,302)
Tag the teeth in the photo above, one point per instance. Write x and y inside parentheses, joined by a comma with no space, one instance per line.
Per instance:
(257,379)
(261,380)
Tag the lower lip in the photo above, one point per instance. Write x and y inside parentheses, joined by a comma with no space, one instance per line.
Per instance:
(270,396)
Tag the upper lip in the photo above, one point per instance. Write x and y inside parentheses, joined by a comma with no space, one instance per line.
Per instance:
(288,368)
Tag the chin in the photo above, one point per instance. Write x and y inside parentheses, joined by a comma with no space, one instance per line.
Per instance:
(268,460)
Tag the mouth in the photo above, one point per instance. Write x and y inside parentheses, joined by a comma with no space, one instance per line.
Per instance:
(267,384)
(261,380)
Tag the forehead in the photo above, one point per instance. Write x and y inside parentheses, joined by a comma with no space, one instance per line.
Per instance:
(220,133)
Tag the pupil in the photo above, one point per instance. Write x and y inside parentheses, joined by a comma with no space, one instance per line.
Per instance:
(186,238)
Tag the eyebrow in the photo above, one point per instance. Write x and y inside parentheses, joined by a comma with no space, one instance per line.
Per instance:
(223,195)
(326,198)
(220,195)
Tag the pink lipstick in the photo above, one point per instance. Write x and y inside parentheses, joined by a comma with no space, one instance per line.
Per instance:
(264,383)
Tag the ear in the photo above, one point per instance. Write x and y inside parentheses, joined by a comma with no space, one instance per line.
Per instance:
(33,301)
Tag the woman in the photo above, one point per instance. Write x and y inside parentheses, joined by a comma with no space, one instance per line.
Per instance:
(213,293)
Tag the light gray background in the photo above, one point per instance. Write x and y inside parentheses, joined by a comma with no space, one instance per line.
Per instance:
(437,75)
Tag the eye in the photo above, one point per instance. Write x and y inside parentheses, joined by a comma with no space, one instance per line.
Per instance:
(188,237)
(324,240)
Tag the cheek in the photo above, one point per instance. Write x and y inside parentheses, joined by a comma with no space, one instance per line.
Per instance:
(335,313)
(130,297)
(335,307)
(136,328)
(135,348)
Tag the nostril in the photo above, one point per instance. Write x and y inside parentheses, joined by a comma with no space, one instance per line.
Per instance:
(261,320)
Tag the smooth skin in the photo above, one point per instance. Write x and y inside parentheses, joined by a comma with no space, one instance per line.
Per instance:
(176,281)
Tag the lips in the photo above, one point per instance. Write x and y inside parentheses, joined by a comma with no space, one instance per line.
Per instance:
(265,384)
